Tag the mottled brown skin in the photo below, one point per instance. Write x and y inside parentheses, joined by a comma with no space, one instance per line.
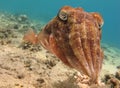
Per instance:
(74,37)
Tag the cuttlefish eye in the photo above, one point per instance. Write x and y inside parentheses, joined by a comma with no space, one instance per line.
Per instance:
(63,15)
(100,25)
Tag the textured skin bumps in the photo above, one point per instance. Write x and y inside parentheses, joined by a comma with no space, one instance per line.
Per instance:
(74,37)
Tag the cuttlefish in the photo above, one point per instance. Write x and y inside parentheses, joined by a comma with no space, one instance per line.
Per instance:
(74,37)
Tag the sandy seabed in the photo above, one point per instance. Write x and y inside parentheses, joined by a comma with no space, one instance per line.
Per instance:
(29,66)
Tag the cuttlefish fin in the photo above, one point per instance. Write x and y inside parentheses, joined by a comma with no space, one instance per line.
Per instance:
(30,37)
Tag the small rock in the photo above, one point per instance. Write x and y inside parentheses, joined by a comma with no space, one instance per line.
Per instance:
(16,26)
(50,63)
(22,18)
(40,80)
(115,83)
(16,84)
(118,67)
(108,76)
(27,63)
(117,75)
(20,76)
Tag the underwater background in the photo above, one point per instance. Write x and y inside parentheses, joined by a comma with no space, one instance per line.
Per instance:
(27,65)
(45,10)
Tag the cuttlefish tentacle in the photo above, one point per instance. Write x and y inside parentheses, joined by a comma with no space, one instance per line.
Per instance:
(61,38)
(57,51)
(86,46)
(76,45)
(93,47)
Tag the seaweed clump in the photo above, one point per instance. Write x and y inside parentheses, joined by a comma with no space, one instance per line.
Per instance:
(14,26)
(31,47)
(6,36)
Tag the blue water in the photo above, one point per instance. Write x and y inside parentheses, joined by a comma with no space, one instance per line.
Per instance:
(45,10)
